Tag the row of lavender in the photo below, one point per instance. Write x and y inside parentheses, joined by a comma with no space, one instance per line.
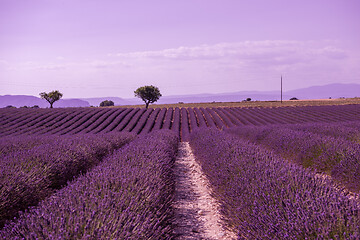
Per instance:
(180,120)
(333,149)
(127,196)
(264,196)
(33,167)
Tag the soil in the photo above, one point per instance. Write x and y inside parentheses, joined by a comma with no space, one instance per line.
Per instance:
(197,213)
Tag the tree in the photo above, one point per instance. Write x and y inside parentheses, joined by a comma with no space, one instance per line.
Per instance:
(106,103)
(149,94)
(51,97)
(294,98)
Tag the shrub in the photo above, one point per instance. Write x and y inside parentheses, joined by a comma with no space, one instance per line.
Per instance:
(106,103)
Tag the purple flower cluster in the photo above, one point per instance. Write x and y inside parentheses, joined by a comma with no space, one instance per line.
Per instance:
(13,143)
(109,124)
(158,121)
(185,126)
(336,157)
(346,130)
(34,167)
(266,197)
(176,122)
(127,196)
(150,121)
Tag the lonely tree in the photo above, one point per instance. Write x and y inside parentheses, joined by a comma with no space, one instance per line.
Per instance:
(51,97)
(149,94)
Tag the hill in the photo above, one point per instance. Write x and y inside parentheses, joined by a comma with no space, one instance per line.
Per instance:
(29,101)
(315,92)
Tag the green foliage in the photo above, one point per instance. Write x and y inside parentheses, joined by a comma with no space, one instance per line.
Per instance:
(51,97)
(106,103)
(294,98)
(248,99)
(149,94)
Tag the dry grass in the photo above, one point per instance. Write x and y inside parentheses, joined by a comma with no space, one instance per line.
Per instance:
(287,103)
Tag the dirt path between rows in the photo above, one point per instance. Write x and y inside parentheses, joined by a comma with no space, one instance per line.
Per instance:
(196,211)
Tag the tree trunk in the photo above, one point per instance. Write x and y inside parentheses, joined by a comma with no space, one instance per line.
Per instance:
(147,105)
(51,105)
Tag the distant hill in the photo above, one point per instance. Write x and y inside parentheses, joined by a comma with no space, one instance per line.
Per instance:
(314,92)
(29,101)
(324,92)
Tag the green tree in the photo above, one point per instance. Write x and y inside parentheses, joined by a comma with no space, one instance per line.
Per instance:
(106,103)
(51,97)
(149,94)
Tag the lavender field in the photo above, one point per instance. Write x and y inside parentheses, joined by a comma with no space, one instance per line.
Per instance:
(64,121)
(107,173)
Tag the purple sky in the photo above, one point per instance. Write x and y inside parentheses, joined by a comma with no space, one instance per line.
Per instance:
(99,48)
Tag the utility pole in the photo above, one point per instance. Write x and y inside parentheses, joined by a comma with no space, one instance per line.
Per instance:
(281,88)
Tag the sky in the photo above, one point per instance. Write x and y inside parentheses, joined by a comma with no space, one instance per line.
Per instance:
(102,48)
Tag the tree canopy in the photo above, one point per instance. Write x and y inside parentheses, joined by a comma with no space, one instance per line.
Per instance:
(106,103)
(51,97)
(149,94)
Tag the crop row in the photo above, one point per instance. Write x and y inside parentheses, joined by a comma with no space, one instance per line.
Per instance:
(181,120)
(314,148)
(33,167)
(127,196)
(264,196)
(345,130)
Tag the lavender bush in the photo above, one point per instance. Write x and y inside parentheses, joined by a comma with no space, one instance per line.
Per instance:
(34,171)
(336,157)
(200,117)
(185,126)
(151,121)
(127,196)
(158,121)
(345,130)
(266,197)
(107,124)
(12,144)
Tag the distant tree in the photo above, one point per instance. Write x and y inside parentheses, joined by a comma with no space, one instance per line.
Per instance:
(51,97)
(10,106)
(149,94)
(106,103)
(294,98)
(248,99)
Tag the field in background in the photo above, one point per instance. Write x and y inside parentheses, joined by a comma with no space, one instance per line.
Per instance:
(181,120)
(285,103)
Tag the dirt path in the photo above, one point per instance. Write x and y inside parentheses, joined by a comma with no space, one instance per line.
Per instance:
(196,212)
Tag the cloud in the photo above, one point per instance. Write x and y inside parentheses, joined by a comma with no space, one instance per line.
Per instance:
(251,52)
(220,67)
(101,64)
(332,52)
